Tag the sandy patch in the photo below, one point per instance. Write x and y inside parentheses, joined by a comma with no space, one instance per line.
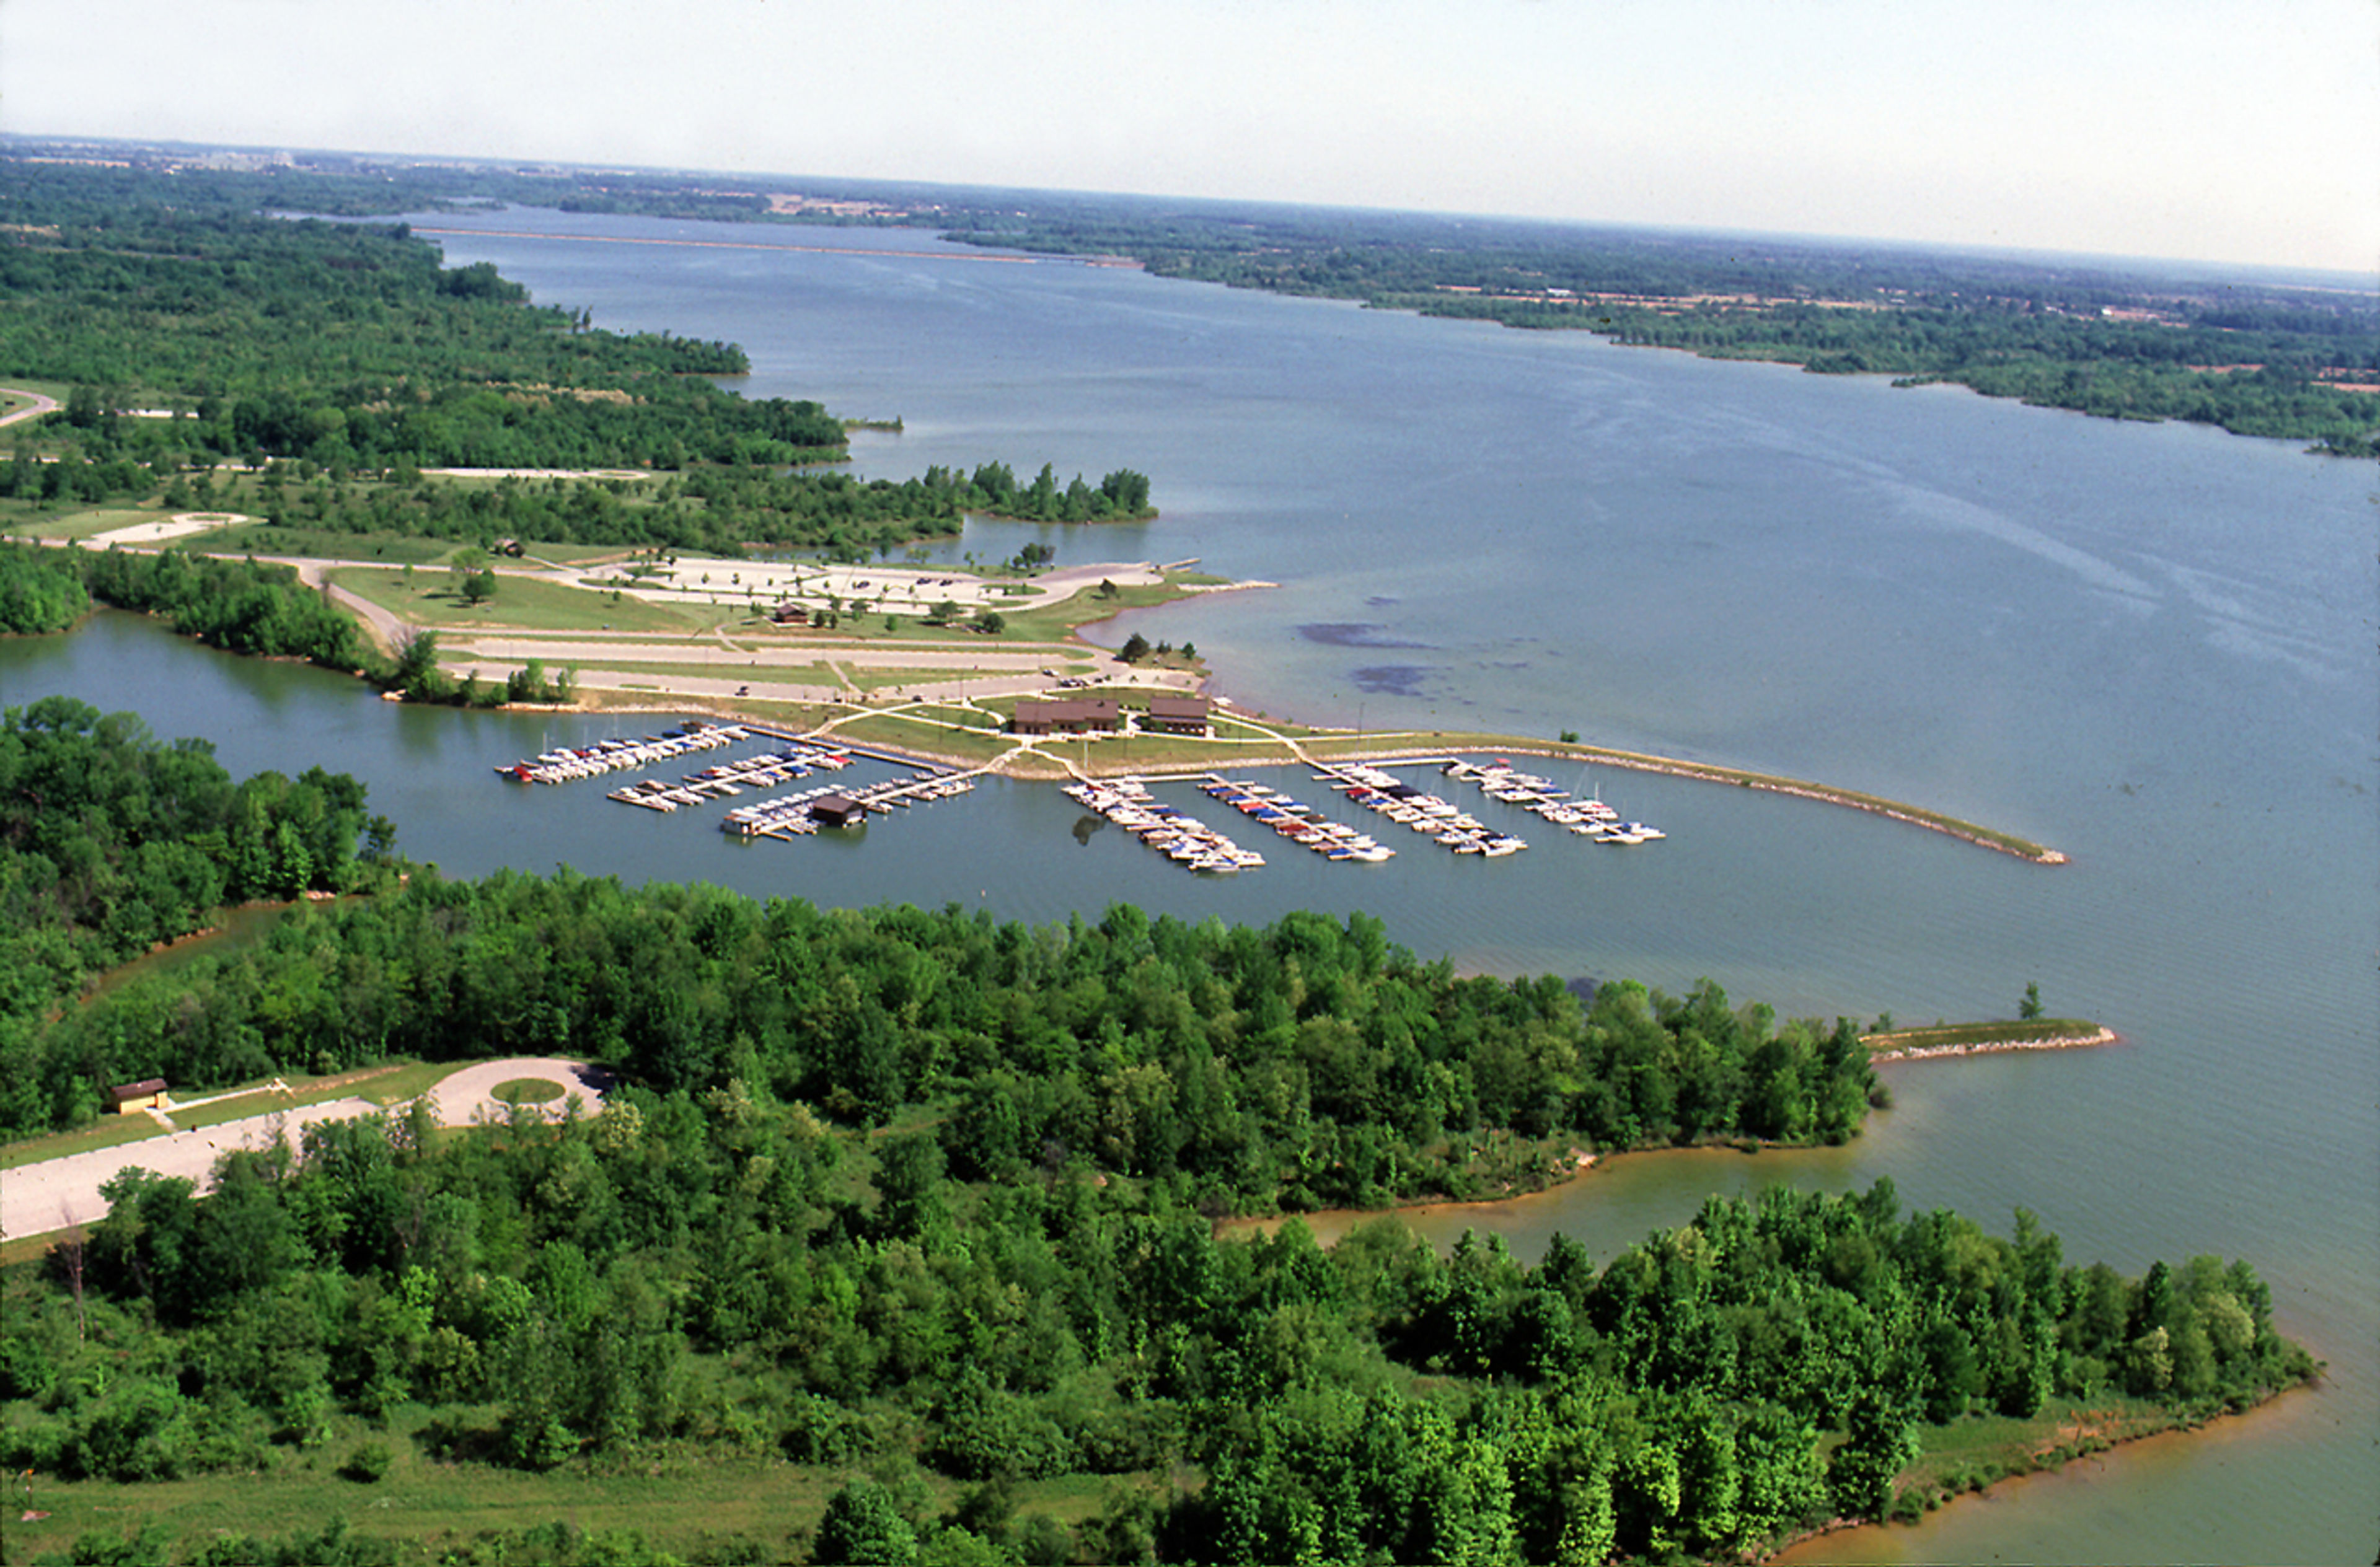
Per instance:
(179,525)
(60,1193)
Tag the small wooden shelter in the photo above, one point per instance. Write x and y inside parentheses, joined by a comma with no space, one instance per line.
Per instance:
(129,1099)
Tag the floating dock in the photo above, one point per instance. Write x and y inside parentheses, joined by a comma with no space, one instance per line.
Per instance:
(1183,839)
(792,815)
(1589,818)
(572,763)
(1300,823)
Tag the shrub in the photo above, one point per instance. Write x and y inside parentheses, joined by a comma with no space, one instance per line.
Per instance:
(368,1464)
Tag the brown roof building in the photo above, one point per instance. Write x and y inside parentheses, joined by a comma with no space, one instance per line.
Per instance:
(147,1094)
(1081,715)
(837,810)
(1179,715)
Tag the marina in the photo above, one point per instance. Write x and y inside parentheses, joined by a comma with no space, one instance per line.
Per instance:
(1299,823)
(1180,837)
(1125,801)
(733,777)
(1589,818)
(570,763)
(801,815)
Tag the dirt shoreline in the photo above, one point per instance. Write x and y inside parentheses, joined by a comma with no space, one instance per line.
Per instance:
(2088,1442)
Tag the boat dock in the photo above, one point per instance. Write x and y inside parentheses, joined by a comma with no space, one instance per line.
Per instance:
(1184,839)
(1589,818)
(1441,820)
(792,815)
(1299,823)
(733,777)
(570,763)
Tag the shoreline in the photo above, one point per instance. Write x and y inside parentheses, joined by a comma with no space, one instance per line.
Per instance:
(1311,748)
(2050,1465)
(1307,751)
(1994,1047)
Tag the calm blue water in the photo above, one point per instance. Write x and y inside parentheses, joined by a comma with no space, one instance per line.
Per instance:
(2150,646)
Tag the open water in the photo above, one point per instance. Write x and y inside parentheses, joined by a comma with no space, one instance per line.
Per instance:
(2151,647)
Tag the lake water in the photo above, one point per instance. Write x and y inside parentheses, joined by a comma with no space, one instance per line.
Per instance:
(2150,646)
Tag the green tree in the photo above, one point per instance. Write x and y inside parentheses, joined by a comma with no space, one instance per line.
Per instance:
(863,1526)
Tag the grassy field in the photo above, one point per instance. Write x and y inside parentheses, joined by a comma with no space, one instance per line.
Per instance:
(32,520)
(675,1501)
(324,544)
(2029,1030)
(525,604)
(1974,1452)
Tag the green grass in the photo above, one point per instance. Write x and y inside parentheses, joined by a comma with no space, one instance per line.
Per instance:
(525,1090)
(1982,1034)
(521,604)
(324,544)
(1969,1455)
(675,1500)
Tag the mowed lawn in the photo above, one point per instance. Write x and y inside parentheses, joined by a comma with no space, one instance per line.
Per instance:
(432,598)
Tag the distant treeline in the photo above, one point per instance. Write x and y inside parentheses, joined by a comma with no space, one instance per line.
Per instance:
(2108,338)
(336,351)
(2256,359)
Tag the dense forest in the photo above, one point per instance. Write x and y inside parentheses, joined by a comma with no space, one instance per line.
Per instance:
(111,840)
(537,1295)
(340,361)
(240,605)
(966,1174)
(41,590)
(1305,1065)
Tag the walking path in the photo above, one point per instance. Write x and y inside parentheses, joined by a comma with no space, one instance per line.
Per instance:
(60,1193)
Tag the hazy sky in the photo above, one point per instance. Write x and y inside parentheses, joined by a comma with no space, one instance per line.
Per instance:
(2237,130)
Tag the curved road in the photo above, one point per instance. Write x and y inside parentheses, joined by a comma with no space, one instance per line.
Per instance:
(59,1193)
(41,404)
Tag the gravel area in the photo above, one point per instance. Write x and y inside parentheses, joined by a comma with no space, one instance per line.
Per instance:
(58,1193)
